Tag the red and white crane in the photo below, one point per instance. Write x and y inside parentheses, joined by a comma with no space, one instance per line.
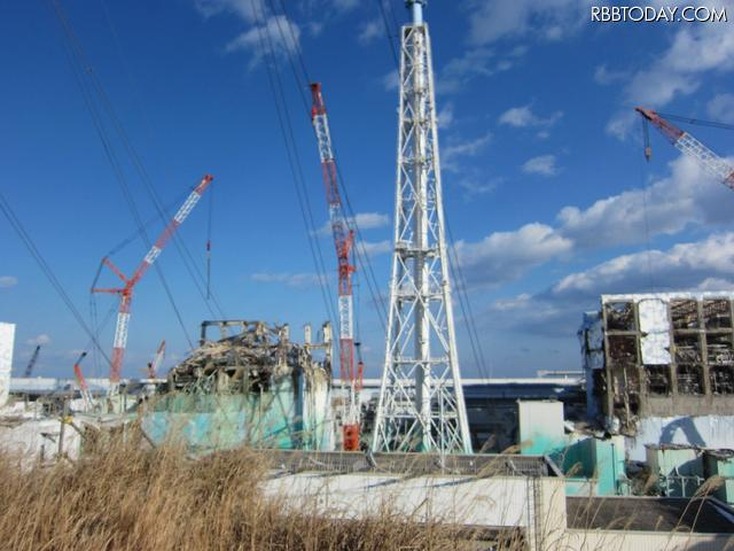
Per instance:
(126,292)
(351,374)
(710,161)
(82,383)
(157,360)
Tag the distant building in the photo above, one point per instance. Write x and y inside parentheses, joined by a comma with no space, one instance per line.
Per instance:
(660,368)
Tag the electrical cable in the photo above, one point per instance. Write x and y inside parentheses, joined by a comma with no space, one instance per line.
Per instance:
(363,260)
(389,33)
(78,59)
(19,229)
(286,128)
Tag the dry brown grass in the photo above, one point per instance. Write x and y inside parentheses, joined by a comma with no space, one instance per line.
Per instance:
(127,496)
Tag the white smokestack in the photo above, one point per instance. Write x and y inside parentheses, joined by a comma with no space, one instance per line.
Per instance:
(7,338)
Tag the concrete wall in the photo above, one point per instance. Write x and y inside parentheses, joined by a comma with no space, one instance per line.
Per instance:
(541,426)
(537,505)
(705,431)
(614,540)
(39,441)
(7,338)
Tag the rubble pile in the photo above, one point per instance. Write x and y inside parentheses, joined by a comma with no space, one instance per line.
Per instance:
(247,361)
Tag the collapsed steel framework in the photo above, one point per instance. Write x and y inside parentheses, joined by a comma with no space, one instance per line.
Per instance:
(421,405)
(661,354)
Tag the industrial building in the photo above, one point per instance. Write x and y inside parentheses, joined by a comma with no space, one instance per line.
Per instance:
(659,371)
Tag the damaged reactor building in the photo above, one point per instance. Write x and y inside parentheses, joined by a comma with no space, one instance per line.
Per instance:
(254,387)
(660,368)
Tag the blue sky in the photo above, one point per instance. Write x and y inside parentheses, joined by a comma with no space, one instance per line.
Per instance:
(549,199)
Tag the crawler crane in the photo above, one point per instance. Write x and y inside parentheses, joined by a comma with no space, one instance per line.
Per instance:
(126,292)
(343,242)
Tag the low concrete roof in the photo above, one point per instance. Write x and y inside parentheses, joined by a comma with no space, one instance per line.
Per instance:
(656,514)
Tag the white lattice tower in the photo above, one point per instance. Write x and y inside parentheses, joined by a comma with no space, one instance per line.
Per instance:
(421,405)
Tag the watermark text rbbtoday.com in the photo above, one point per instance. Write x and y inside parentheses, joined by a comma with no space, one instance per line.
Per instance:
(651,14)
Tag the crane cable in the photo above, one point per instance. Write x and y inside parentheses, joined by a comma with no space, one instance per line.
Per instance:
(646,214)
(390,32)
(647,149)
(276,87)
(19,229)
(359,250)
(81,67)
(164,214)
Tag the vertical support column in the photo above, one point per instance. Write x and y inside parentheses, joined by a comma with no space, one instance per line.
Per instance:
(7,340)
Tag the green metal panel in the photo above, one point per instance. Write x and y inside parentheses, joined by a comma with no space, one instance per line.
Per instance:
(271,418)
(720,463)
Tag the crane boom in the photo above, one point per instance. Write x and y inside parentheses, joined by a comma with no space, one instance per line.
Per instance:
(32,361)
(343,241)
(126,292)
(711,162)
(157,360)
(82,382)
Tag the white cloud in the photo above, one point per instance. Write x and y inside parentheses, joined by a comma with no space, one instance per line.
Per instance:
(687,197)
(41,340)
(695,51)
(503,256)
(491,20)
(684,266)
(278,32)
(391,81)
(370,31)
(374,249)
(8,281)
(459,71)
(446,115)
(291,280)
(368,220)
(545,165)
(707,265)
(363,220)
(721,108)
(518,117)
(451,152)
(474,63)
(523,117)
(604,76)
(249,10)
(473,187)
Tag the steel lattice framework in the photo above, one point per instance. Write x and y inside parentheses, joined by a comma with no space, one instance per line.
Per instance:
(343,241)
(421,405)
(710,161)
(126,292)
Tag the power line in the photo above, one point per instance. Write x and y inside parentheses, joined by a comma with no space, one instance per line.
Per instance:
(360,252)
(19,229)
(84,73)
(286,129)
